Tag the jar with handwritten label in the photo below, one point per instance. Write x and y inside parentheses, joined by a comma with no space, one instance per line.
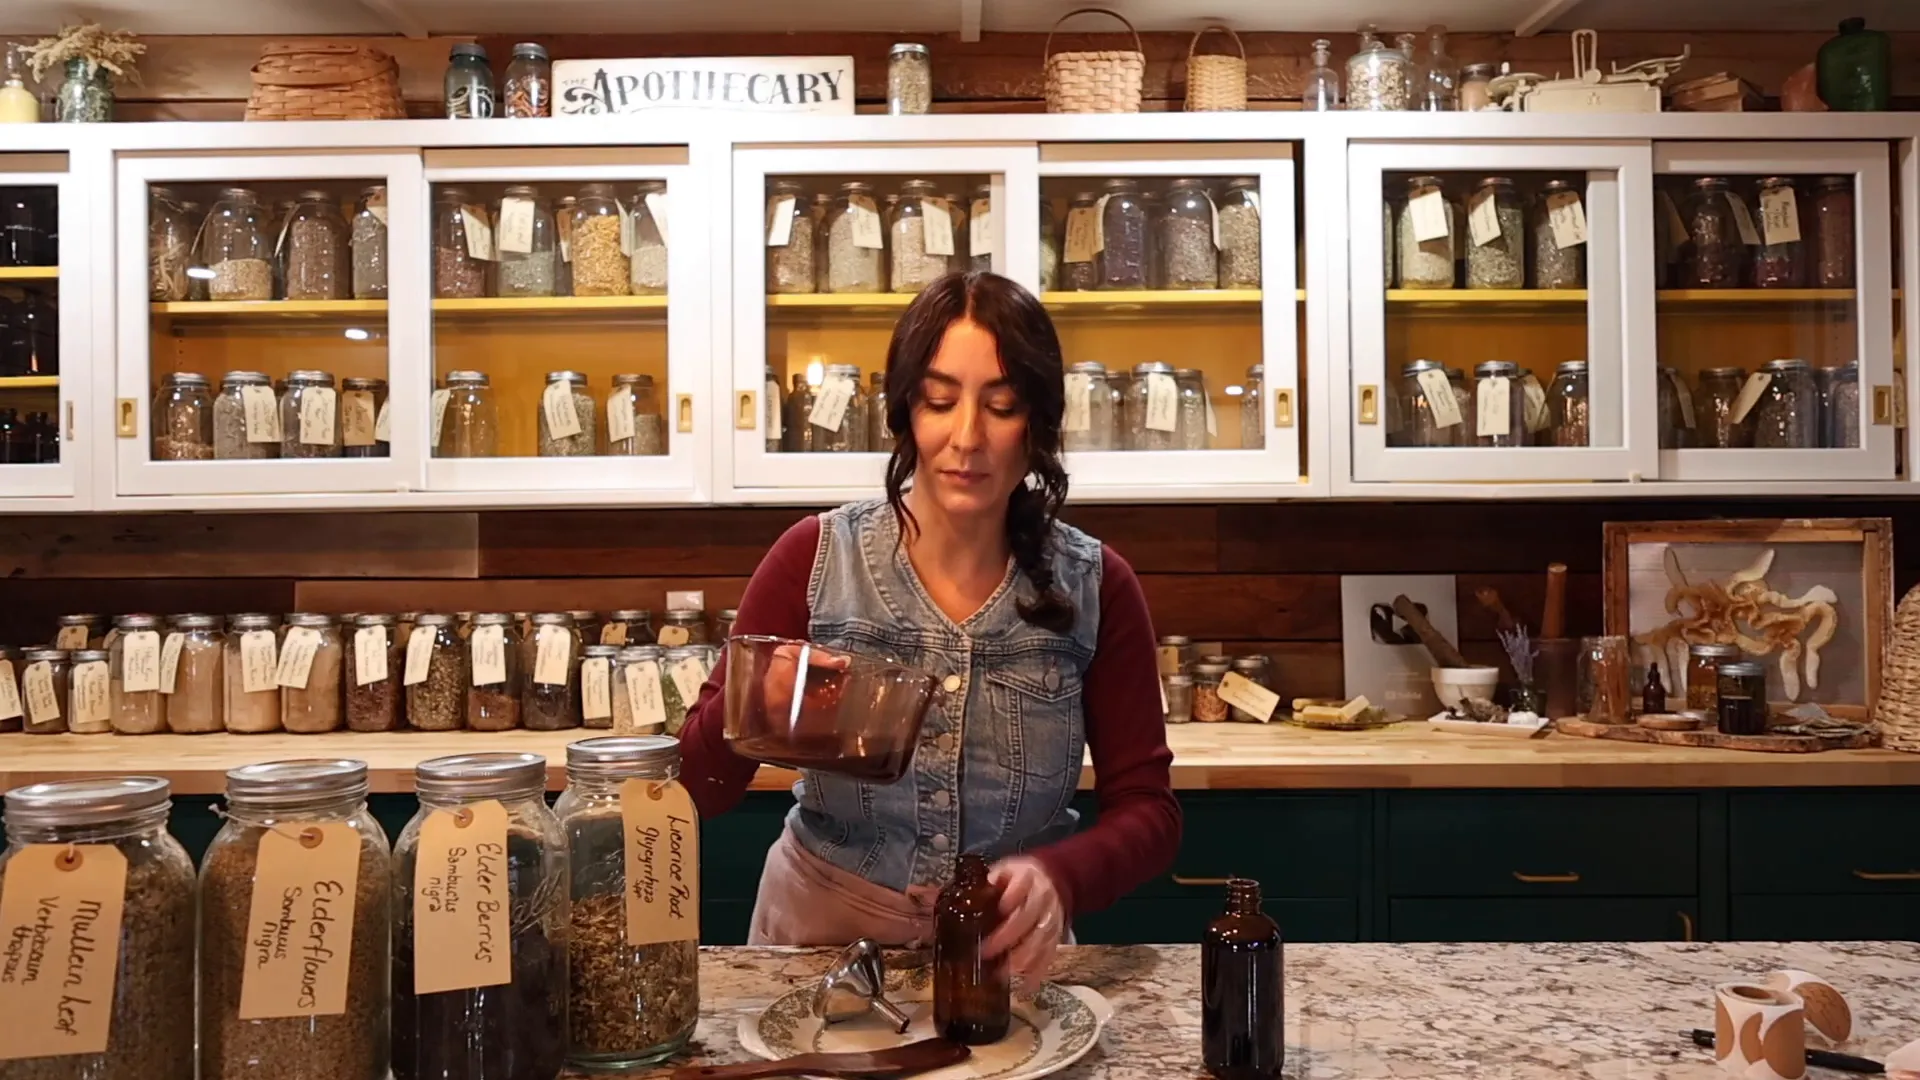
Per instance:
(249,666)
(682,672)
(196,692)
(462,245)
(1088,422)
(568,416)
(361,402)
(683,626)
(1208,707)
(856,241)
(468,425)
(234,437)
(596,681)
(437,675)
(637,705)
(138,706)
(1780,260)
(89,703)
(298,847)
(1428,235)
(1555,266)
(634,963)
(599,251)
(494,1007)
(1425,419)
(1569,405)
(647,229)
(309,670)
(1079,268)
(1196,414)
(921,237)
(375,665)
(1787,414)
(1496,236)
(626,626)
(44,690)
(550,659)
(86,631)
(493,699)
(106,842)
(1153,408)
(843,380)
(1257,670)
(1714,404)
(310,416)
(790,239)
(1500,405)
(634,428)
(526,247)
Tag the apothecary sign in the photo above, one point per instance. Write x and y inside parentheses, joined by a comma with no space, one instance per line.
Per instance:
(751,84)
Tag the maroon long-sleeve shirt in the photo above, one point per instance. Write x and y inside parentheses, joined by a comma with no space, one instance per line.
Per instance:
(1138,828)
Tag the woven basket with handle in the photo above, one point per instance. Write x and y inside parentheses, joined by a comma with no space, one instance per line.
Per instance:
(1898,710)
(1096,81)
(317,80)
(1216,83)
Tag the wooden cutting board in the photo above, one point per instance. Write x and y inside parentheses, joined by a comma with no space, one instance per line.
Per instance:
(1770,744)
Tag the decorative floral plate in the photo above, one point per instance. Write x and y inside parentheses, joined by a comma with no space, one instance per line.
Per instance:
(1049,1033)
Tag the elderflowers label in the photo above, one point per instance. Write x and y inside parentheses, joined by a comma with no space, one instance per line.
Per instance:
(663,862)
(300,921)
(60,915)
(461,904)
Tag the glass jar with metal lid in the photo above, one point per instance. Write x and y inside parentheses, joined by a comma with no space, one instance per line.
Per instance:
(567,398)
(1178,690)
(774,413)
(1153,408)
(1741,698)
(1253,404)
(493,699)
(44,690)
(149,1017)
(1787,416)
(1569,405)
(1715,249)
(647,230)
(797,430)
(599,259)
(1176,653)
(1780,261)
(233,439)
(1841,407)
(628,626)
(316,249)
(1497,257)
(790,263)
(1259,671)
(596,708)
(459,261)
(1088,424)
(1500,405)
(1463,399)
(1419,424)
(437,700)
(1188,258)
(851,436)
(1674,407)
(252,696)
(1127,243)
(196,700)
(550,657)
(1703,675)
(1427,264)
(909,79)
(632,1004)
(1832,224)
(236,249)
(182,418)
(469,425)
(1195,412)
(309,416)
(89,703)
(523,1023)
(1075,276)
(365,399)
(852,266)
(879,436)
(633,396)
(367,244)
(683,626)
(1555,267)
(525,243)
(321,806)
(638,708)
(915,262)
(682,672)
(312,706)
(1239,217)
(723,624)
(1715,427)
(138,706)
(1208,708)
(374,671)
(587,624)
(85,631)
(170,236)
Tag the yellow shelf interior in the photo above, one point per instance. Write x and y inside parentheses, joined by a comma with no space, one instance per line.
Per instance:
(1743,297)
(29,273)
(254,309)
(29,382)
(549,304)
(1438,298)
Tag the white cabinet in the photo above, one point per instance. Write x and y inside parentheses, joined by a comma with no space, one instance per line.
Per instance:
(48,263)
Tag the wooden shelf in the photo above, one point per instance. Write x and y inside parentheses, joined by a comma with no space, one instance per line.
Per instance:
(269,309)
(841,301)
(29,273)
(1480,299)
(548,305)
(1745,297)
(30,382)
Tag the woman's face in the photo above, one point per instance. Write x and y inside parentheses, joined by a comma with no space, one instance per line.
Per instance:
(969,426)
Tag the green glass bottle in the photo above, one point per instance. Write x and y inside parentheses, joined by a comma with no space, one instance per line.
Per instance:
(1855,69)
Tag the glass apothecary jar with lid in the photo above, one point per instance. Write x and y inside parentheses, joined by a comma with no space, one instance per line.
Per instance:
(568,417)
(1188,257)
(1832,222)
(1841,407)
(638,708)
(1498,390)
(799,433)
(919,257)
(1476,83)
(44,690)
(462,245)
(183,418)
(1153,408)
(1569,405)
(1417,421)
(601,265)
(138,706)
(1673,404)
(1239,217)
(83,631)
(169,247)
(469,424)
(1079,276)
(526,247)
(522,1024)
(235,247)
(642,434)
(684,626)
(1497,256)
(632,1004)
(694,663)
(596,706)
(309,416)
(317,249)
(1257,670)
(647,265)
(628,626)
(550,659)
(1427,264)
(374,670)
(1555,267)
(1195,413)
(467,88)
(856,241)
(1787,416)
(1253,403)
(252,655)
(311,705)
(909,80)
(361,402)
(851,435)
(1208,706)
(493,699)
(1088,424)
(1128,248)
(1379,79)
(89,702)
(527,89)
(367,243)
(437,697)
(233,438)
(293,815)
(196,700)
(150,1021)
(790,240)
(1715,427)
(1716,252)
(1780,260)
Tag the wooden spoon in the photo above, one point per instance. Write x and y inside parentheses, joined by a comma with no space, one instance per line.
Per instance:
(918,1057)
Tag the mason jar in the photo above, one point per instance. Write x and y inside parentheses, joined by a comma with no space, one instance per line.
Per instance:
(683,626)
(1485,387)
(851,266)
(685,658)
(579,400)
(183,418)
(1787,416)
(376,648)
(438,700)
(1713,409)
(469,422)
(790,266)
(647,266)
(1188,257)
(514,1031)
(1239,216)
(252,698)
(89,713)
(638,708)
(233,440)
(525,246)
(1428,264)
(1832,223)
(1781,263)
(235,247)
(44,691)
(1078,276)
(196,702)
(364,443)
(547,704)
(909,80)
(367,240)
(1128,249)
(315,804)
(1463,398)
(797,431)
(1161,432)
(1418,426)
(632,1005)
(879,436)
(1208,707)
(316,243)
(1253,403)
(1501,262)
(1840,407)
(494,704)
(1259,671)
(459,261)
(302,436)
(170,236)
(1716,253)
(1569,405)
(641,403)
(315,707)
(143,711)
(851,437)
(1555,267)
(915,265)
(150,1019)
(1090,426)
(1674,415)
(1194,410)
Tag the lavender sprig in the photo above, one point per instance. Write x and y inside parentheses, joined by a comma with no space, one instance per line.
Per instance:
(1520,651)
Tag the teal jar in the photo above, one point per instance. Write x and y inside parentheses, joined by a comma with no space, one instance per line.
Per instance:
(86,97)
(1855,69)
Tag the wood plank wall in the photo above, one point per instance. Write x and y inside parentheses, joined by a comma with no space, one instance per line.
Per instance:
(1261,578)
(205,78)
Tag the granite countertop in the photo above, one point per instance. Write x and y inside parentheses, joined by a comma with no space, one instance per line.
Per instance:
(1416,1012)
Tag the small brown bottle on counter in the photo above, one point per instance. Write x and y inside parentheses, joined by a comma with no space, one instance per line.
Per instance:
(972,1001)
(1242,1023)
(1653,698)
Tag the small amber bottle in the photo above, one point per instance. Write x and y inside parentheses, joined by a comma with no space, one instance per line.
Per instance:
(1653,698)
(1242,1023)
(972,1002)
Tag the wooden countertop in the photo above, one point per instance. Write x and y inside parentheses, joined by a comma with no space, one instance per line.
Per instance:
(1206,757)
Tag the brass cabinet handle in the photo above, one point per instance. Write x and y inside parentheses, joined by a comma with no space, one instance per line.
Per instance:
(1882,406)
(70,435)
(1201,882)
(1283,408)
(1904,875)
(1546,879)
(683,408)
(129,414)
(1686,926)
(1369,404)
(746,415)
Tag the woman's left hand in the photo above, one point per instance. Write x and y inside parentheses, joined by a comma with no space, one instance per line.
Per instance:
(1032,920)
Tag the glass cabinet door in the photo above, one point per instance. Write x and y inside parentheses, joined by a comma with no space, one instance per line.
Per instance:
(1496,331)
(562,360)
(262,333)
(1776,310)
(44,331)
(1170,274)
(830,245)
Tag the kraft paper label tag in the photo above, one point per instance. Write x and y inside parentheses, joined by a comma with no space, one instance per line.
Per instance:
(359,424)
(258,661)
(473,221)
(620,414)
(516,226)
(1079,403)
(36,683)
(1567,217)
(672,636)
(300,921)
(461,903)
(550,659)
(867,232)
(643,694)
(419,655)
(1163,403)
(90,703)
(596,697)
(11,707)
(169,662)
(980,227)
(1169,659)
(1082,225)
(657,211)
(613,633)
(60,918)
(1430,217)
(1676,226)
(1213,426)
(296,657)
(563,421)
(1684,399)
(440,398)
(1440,399)
(1213,218)
(1539,417)
(830,404)
(780,220)
(140,661)
(1780,215)
(687,675)
(316,416)
(936,225)
(377,206)
(1100,224)
(776,423)
(262,414)
(370,655)
(626,229)
(1483,219)
(1493,407)
(1743,220)
(1756,385)
(70,638)
(1248,696)
(489,655)
(663,862)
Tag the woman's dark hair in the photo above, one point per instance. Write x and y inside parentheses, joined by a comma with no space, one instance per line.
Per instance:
(1030,353)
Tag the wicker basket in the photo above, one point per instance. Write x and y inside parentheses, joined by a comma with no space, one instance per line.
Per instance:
(297,80)
(1898,710)
(1217,83)
(1100,81)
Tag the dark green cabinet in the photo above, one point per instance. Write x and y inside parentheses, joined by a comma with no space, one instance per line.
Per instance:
(1542,845)
(1578,918)
(1864,842)
(733,851)
(1159,921)
(1815,917)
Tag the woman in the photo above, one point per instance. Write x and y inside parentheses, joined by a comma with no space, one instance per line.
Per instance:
(1040,633)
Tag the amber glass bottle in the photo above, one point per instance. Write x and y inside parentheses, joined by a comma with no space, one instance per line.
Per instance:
(1242,1033)
(972,1002)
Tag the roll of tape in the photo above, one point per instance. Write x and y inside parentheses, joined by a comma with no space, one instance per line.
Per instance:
(1827,1008)
(1759,1032)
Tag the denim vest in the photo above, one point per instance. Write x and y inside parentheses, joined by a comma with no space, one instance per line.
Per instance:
(995,768)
